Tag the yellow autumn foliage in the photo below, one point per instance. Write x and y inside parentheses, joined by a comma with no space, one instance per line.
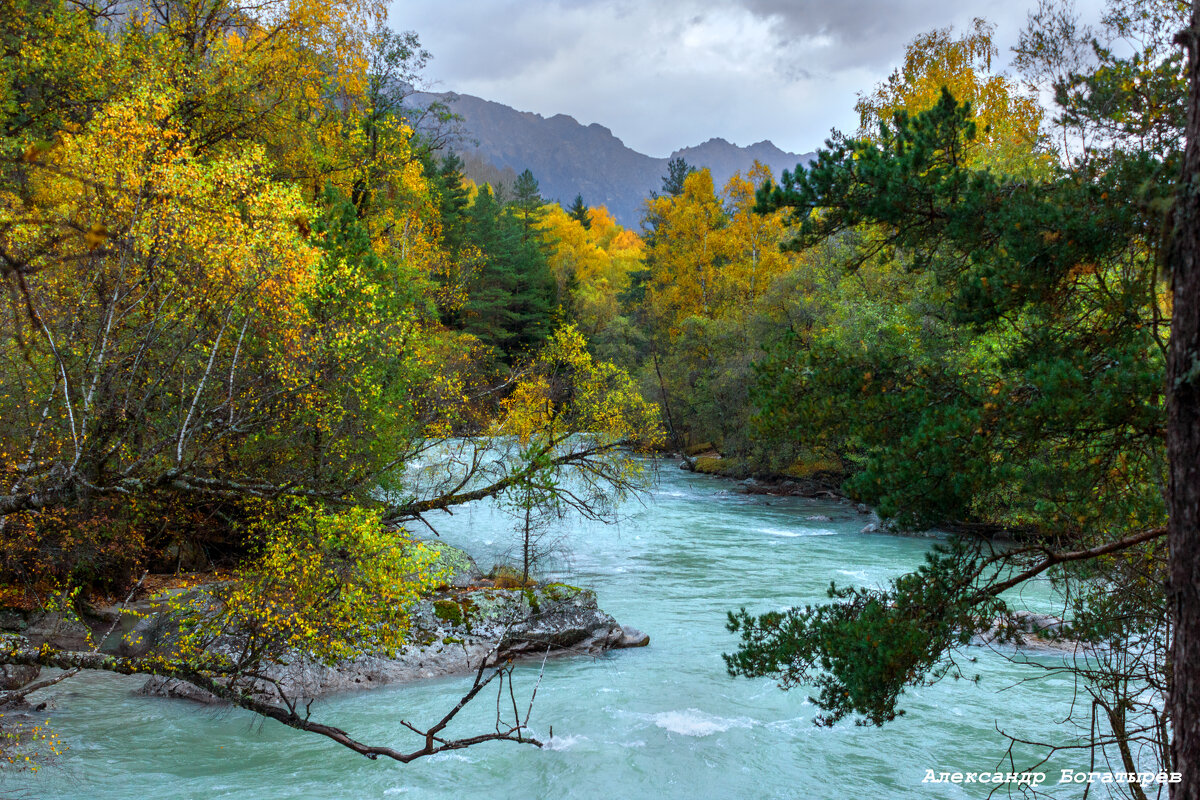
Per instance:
(566,392)
(327,585)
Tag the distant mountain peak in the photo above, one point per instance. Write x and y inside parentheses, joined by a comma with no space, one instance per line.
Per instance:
(570,159)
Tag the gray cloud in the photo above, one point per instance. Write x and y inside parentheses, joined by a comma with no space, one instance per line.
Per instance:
(663,75)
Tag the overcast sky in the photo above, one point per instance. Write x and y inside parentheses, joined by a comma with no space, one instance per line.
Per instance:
(664,74)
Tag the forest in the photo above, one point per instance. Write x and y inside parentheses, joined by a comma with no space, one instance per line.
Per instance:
(249,292)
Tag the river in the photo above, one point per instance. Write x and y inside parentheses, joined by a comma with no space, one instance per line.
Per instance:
(663,721)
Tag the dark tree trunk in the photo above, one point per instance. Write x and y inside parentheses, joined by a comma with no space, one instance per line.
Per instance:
(1183,443)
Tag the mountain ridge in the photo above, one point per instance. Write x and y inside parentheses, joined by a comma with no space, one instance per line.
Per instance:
(570,158)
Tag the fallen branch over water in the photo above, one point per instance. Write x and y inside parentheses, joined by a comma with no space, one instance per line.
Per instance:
(289,713)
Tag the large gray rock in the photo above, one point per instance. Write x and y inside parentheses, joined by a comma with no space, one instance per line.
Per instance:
(1028,630)
(158,686)
(14,676)
(453,634)
(461,569)
(140,634)
(632,637)
(59,631)
(12,619)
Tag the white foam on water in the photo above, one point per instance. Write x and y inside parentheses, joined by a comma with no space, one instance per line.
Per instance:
(792,534)
(451,757)
(793,727)
(694,722)
(778,532)
(563,742)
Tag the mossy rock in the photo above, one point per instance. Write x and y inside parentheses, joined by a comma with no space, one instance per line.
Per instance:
(449,611)
(812,463)
(531,599)
(452,562)
(559,592)
(709,465)
(725,467)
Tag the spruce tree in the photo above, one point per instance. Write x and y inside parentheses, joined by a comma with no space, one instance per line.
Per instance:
(453,200)
(528,201)
(510,299)
(677,170)
(579,212)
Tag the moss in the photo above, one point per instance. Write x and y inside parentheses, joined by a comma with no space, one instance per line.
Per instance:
(559,592)
(697,449)
(485,604)
(532,599)
(815,462)
(449,610)
(451,640)
(729,467)
(451,561)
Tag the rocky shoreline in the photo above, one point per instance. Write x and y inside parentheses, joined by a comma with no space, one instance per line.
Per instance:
(453,634)
(472,620)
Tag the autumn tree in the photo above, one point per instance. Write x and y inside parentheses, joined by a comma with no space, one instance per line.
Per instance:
(711,262)
(591,266)
(1007,119)
(224,273)
(1023,387)
(687,249)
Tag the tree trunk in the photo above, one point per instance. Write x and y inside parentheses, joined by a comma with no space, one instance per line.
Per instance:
(1183,443)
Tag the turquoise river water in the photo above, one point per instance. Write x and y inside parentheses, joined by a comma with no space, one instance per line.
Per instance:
(664,722)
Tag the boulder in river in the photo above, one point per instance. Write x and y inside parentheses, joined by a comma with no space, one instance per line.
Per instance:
(452,632)
(158,686)
(59,631)
(632,637)
(14,676)
(1029,630)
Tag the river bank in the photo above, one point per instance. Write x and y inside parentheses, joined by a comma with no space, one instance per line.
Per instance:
(664,720)
(473,620)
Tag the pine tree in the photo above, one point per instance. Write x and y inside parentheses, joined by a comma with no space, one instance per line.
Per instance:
(510,300)
(579,212)
(1183,438)
(677,170)
(1051,416)
(528,201)
(453,200)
